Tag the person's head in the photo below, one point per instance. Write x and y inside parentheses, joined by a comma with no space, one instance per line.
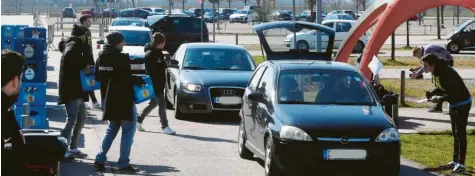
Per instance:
(116,39)
(417,52)
(85,21)
(158,40)
(12,69)
(430,61)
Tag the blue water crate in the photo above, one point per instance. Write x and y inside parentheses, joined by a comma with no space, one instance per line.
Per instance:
(32,93)
(20,31)
(144,93)
(35,32)
(8,43)
(38,119)
(31,48)
(8,31)
(35,73)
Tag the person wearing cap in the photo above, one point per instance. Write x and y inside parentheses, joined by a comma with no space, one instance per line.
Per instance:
(13,141)
(114,73)
(442,53)
(82,31)
(71,93)
(460,102)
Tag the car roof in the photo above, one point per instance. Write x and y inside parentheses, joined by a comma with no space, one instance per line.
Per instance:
(213,45)
(311,64)
(129,28)
(333,21)
(130,18)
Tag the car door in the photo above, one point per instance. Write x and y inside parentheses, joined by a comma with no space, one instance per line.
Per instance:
(341,31)
(263,109)
(249,107)
(174,72)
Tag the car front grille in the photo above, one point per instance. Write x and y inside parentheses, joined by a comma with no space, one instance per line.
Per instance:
(225,92)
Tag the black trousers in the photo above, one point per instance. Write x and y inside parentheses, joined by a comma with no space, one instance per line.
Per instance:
(459,118)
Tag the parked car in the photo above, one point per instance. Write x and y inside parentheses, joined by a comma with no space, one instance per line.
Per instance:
(242,16)
(348,12)
(226,12)
(192,84)
(197,11)
(140,13)
(91,12)
(178,30)
(251,8)
(107,13)
(69,12)
(338,17)
(281,15)
(159,11)
(210,17)
(307,40)
(146,8)
(133,21)
(313,116)
(462,38)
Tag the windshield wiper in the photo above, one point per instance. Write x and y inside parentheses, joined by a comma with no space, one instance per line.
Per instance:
(295,102)
(193,68)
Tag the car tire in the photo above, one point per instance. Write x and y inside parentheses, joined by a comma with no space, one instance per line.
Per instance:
(244,152)
(359,47)
(270,167)
(453,48)
(178,114)
(301,44)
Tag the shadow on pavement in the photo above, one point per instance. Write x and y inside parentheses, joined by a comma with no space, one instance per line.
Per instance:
(410,171)
(199,138)
(78,168)
(51,98)
(111,167)
(51,85)
(49,68)
(216,119)
(410,125)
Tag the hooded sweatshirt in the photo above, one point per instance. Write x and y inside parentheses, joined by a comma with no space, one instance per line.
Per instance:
(155,66)
(86,47)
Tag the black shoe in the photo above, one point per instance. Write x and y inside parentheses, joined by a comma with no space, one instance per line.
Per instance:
(435,110)
(129,168)
(99,167)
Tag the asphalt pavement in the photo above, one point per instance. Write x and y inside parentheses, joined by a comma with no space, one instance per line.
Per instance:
(203,146)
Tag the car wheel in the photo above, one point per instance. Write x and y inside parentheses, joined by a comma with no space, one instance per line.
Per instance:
(178,114)
(271,168)
(244,152)
(303,45)
(359,47)
(453,48)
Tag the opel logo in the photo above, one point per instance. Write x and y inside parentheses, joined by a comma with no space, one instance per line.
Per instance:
(344,140)
(227,92)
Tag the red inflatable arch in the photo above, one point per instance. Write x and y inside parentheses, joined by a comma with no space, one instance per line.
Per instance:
(388,15)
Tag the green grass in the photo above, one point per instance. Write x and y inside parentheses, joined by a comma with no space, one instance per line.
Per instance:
(435,148)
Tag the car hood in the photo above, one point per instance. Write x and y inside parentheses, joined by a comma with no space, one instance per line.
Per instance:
(335,120)
(238,15)
(208,78)
(134,51)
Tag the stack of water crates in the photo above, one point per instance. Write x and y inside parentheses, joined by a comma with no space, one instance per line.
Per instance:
(31,43)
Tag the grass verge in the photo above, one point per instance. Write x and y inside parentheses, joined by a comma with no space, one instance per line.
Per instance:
(435,148)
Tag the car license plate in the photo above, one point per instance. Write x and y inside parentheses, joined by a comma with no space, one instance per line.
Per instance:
(344,154)
(228,100)
(137,66)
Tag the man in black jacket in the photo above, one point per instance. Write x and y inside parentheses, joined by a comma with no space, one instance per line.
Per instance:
(71,93)
(460,102)
(13,141)
(82,31)
(155,65)
(114,73)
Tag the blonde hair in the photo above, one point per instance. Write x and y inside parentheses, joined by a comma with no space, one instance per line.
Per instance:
(416,50)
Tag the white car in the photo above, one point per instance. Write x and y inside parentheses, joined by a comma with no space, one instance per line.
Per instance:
(242,16)
(307,40)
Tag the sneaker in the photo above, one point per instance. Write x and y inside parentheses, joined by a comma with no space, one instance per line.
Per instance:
(77,153)
(99,167)
(139,127)
(435,110)
(129,168)
(68,156)
(168,130)
(448,166)
(459,169)
(87,106)
(97,106)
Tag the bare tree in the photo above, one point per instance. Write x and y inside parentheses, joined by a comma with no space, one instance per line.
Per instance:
(182,3)
(229,2)
(245,2)
(336,4)
(311,4)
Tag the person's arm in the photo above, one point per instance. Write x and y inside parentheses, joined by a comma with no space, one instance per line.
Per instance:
(452,90)
(150,63)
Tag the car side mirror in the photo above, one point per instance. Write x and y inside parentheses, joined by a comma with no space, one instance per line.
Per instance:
(255,96)
(101,42)
(174,63)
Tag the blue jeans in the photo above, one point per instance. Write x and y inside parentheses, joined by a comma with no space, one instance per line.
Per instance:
(76,112)
(128,133)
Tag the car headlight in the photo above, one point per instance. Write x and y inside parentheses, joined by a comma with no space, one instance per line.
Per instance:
(293,133)
(388,135)
(193,87)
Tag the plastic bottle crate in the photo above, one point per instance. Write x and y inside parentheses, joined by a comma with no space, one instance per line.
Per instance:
(8,31)
(35,32)
(32,93)
(8,43)
(36,59)
(20,33)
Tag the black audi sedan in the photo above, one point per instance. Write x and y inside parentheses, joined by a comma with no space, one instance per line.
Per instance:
(314,116)
(208,77)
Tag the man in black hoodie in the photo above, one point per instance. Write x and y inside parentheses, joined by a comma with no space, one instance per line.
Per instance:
(114,73)
(460,101)
(155,65)
(82,32)
(13,142)
(71,93)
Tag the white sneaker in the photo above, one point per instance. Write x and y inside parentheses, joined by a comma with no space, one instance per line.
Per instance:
(168,130)
(139,127)
(87,106)
(97,106)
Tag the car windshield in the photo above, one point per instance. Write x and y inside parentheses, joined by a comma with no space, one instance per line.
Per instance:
(345,17)
(209,14)
(241,12)
(136,38)
(159,10)
(218,59)
(128,23)
(323,87)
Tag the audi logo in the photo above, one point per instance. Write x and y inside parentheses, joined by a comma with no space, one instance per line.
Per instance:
(344,140)
(227,92)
